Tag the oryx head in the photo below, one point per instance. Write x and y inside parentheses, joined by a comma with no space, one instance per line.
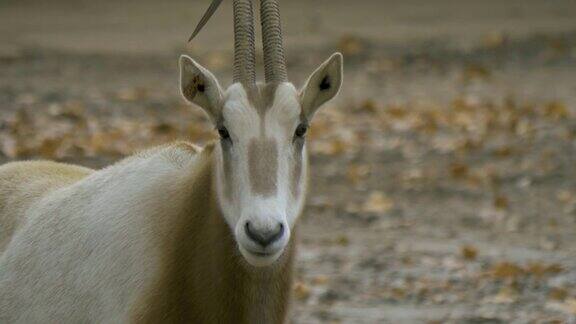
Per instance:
(261,157)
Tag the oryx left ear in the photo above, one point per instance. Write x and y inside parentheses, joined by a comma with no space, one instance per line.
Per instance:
(200,86)
(323,85)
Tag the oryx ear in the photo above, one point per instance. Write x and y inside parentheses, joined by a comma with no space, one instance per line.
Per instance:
(200,87)
(322,85)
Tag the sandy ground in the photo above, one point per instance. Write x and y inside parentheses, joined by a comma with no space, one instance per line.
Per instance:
(443,187)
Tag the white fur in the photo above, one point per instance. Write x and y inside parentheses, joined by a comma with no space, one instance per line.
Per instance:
(83,252)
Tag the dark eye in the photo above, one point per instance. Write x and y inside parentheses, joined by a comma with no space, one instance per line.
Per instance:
(223,132)
(301,130)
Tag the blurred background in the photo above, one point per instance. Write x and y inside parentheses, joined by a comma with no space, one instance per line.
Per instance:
(443,178)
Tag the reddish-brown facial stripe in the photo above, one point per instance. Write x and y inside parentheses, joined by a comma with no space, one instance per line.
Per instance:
(263,166)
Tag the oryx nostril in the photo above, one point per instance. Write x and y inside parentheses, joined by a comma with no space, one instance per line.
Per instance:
(264,237)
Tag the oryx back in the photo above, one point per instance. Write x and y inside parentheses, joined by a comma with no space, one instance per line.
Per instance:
(23,184)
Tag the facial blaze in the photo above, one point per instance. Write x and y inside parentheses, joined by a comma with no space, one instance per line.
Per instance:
(259,169)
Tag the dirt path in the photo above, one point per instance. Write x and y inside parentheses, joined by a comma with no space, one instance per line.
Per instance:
(140,27)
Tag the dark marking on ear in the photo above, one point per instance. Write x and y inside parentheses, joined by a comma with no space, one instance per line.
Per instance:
(189,92)
(325,84)
(194,86)
(198,83)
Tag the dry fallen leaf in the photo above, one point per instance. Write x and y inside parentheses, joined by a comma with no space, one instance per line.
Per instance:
(343,240)
(504,151)
(369,106)
(501,202)
(469,252)
(558,294)
(458,170)
(537,270)
(301,291)
(475,71)
(320,280)
(377,203)
(540,270)
(49,147)
(357,172)
(566,196)
(506,295)
(131,94)
(568,306)
(494,40)
(556,110)
(398,293)
(330,147)
(506,270)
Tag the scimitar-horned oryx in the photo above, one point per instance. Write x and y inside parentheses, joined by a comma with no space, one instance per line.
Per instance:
(175,234)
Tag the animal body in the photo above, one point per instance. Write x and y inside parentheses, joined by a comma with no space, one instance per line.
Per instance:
(174,234)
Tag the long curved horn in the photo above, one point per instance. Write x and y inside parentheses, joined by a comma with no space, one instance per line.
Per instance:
(207,15)
(244,48)
(274,58)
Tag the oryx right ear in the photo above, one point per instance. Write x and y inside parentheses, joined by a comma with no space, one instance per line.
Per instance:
(323,85)
(200,86)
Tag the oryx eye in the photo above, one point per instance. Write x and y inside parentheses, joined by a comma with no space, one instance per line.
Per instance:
(223,132)
(301,130)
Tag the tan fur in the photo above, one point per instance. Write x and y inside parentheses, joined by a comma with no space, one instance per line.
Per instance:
(203,278)
(24,183)
(197,274)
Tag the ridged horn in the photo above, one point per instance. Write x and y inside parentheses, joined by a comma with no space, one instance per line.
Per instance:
(244,48)
(274,58)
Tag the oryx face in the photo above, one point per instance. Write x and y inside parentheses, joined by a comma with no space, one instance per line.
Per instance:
(261,157)
(260,160)
(261,166)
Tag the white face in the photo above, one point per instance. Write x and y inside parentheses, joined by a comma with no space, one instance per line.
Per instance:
(261,159)
(261,169)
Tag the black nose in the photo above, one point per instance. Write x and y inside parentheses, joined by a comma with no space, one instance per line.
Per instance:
(264,237)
